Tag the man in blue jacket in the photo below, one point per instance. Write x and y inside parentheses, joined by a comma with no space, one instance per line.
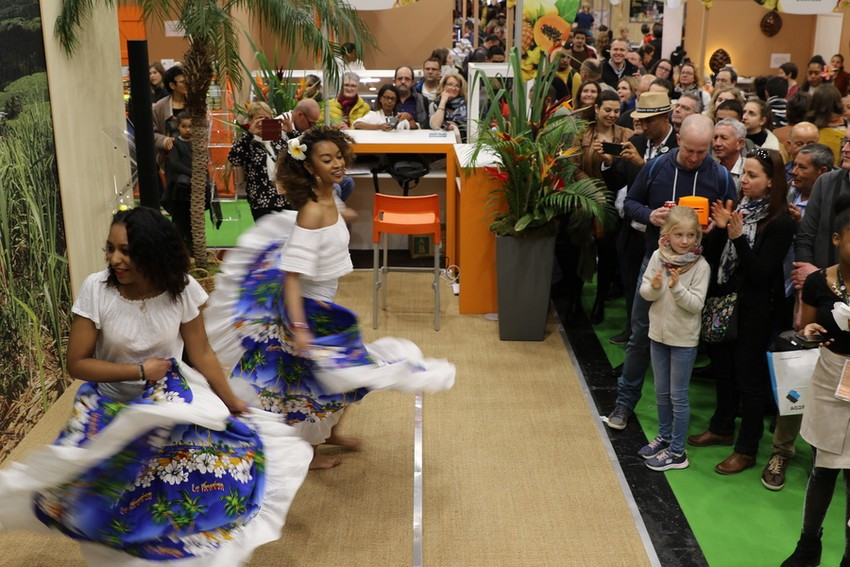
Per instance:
(686,170)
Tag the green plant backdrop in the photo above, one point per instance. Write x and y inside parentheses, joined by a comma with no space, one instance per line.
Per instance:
(35,294)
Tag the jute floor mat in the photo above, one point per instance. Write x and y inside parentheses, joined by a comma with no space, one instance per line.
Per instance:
(515,473)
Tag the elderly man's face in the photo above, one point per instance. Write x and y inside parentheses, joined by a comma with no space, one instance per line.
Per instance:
(725,144)
(805,173)
(305,120)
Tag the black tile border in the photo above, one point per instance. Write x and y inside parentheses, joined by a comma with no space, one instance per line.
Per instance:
(666,524)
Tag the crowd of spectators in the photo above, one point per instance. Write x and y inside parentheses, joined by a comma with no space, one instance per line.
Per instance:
(770,153)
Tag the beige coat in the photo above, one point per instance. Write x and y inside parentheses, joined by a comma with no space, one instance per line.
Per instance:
(674,317)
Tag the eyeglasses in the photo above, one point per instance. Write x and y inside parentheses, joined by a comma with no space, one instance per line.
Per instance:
(310,121)
(389,98)
(760,153)
(844,142)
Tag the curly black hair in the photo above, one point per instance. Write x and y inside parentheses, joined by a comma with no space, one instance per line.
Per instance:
(291,175)
(156,249)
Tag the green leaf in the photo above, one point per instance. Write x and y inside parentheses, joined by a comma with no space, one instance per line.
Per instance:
(522,223)
(567,9)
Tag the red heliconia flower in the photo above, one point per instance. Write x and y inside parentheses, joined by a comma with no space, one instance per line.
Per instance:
(497,174)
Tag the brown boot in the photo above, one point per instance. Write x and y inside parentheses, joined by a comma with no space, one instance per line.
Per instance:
(708,438)
(736,463)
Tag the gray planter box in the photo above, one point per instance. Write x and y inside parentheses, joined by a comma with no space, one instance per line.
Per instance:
(524,275)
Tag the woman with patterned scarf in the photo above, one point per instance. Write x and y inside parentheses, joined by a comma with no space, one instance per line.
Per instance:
(675,281)
(747,245)
(348,106)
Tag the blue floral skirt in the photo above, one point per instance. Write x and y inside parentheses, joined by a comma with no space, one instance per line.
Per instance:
(250,331)
(169,475)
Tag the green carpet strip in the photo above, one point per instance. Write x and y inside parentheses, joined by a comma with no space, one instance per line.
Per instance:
(736,520)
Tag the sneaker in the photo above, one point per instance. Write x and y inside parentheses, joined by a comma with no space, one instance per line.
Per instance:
(666,460)
(621,338)
(773,475)
(655,446)
(619,417)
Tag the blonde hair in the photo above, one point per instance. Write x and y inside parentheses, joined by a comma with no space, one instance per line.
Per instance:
(258,107)
(446,77)
(682,216)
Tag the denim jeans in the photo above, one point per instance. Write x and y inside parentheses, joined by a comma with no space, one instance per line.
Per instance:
(637,351)
(672,367)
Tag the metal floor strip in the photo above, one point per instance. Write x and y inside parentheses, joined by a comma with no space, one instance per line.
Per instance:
(612,456)
(417,481)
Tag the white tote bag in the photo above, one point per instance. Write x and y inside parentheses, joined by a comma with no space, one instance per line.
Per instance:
(790,374)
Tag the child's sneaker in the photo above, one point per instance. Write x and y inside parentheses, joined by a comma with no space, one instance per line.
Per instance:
(666,460)
(655,446)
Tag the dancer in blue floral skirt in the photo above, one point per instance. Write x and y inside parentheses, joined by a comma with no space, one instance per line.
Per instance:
(272,320)
(160,463)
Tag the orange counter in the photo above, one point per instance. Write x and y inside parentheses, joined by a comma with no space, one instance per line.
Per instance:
(476,245)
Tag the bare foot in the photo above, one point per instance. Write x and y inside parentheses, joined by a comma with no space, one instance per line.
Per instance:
(346,442)
(324,462)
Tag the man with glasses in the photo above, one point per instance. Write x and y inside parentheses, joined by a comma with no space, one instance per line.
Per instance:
(688,103)
(431,75)
(411,104)
(304,116)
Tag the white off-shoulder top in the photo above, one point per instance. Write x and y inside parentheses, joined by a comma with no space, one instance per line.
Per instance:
(320,256)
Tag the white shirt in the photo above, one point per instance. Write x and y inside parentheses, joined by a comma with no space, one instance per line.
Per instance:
(373,117)
(131,331)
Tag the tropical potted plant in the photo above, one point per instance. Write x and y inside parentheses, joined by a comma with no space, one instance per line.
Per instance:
(210,29)
(534,139)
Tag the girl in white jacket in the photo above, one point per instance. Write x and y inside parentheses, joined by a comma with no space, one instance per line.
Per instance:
(675,281)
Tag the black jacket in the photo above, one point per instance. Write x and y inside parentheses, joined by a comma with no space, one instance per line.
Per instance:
(623,172)
(610,77)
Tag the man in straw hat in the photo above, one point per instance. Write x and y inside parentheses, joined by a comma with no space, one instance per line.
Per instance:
(652,114)
(686,170)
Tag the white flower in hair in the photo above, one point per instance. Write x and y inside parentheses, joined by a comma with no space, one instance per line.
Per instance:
(297,150)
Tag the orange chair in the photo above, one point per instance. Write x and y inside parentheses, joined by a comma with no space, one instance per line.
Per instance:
(404,215)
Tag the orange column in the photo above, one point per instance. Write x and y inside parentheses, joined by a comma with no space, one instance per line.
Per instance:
(476,244)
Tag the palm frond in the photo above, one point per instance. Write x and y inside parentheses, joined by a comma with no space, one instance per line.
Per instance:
(537,152)
(70,20)
(300,24)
